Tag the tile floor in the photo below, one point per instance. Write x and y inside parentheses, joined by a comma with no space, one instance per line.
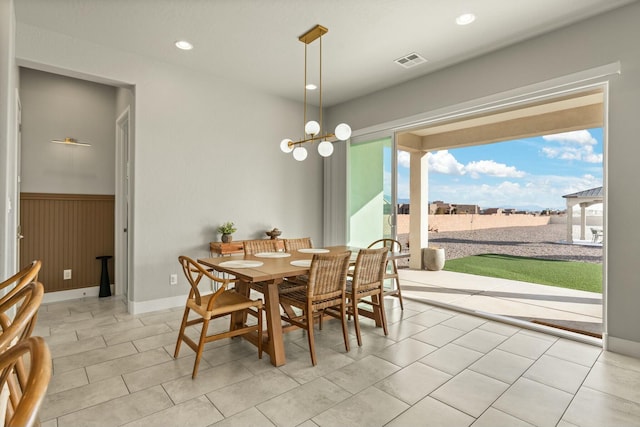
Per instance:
(436,368)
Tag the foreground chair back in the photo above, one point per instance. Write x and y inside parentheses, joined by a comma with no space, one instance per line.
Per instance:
(220,303)
(368,282)
(392,268)
(261,245)
(24,396)
(27,275)
(325,289)
(18,314)
(291,245)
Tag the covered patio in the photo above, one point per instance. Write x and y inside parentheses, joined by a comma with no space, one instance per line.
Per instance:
(584,199)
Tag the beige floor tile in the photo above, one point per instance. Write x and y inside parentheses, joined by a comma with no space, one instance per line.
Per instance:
(299,365)
(413,382)
(493,418)
(67,380)
(62,349)
(501,365)
(615,380)
(359,375)
(526,345)
(470,392)
(399,330)
(302,403)
(59,340)
(84,322)
(499,328)
(533,402)
(369,408)
(198,412)
(119,411)
(161,373)
(451,358)
(480,340)
(157,341)
(123,365)
(430,412)
(573,351)
(430,318)
(249,418)
(207,380)
(558,373)
(593,408)
(464,322)
(246,394)
(620,360)
(92,357)
(135,334)
(438,335)
(65,402)
(406,352)
(109,329)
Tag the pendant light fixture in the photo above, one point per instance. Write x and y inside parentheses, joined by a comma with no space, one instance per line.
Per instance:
(313,129)
(70,141)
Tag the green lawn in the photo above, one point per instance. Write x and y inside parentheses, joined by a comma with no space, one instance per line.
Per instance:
(565,274)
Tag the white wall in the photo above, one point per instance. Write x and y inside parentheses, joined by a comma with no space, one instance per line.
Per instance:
(55,107)
(592,43)
(205,151)
(8,151)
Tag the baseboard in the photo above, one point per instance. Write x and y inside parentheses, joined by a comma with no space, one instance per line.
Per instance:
(622,346)
(91,291)
(135,307)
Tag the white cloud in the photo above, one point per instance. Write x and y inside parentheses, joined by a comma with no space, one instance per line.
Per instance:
(491,168)
(403,158)
(576,145)
(443,162)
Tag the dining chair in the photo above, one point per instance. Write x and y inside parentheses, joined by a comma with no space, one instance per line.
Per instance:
(291,245)
(18,314)
(222,302)
(22,395)
(259,245)
(367,286)
(27,275)
(325,289)
(391,272)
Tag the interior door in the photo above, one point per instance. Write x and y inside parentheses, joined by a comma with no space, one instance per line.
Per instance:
(19,235)
(371,194)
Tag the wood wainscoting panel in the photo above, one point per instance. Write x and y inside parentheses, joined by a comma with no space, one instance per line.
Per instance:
(67,232)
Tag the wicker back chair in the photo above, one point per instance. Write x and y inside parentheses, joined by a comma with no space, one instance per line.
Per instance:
(325,289)
(291,245)
(222,302)
(260,245)
(368,281)
(392,268)
(18,314)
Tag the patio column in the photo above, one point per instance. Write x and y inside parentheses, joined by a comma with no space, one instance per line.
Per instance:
(583,220)
(419,213)
(570,205)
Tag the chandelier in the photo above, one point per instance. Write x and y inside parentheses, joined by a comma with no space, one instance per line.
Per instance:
(313,129)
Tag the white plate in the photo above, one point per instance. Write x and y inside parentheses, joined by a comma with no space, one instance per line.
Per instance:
(313,250)
(241,264)
(301,263)
(272,254)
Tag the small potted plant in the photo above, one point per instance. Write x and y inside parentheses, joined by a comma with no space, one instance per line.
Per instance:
(227,229)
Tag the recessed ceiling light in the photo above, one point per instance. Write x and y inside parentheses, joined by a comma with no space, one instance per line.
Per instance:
(311,86)
(184,45)
(465,19)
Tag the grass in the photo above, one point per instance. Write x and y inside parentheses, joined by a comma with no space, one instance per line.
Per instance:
(564,274)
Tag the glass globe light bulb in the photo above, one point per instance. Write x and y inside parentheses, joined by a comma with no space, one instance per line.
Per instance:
(300,153)
(325,148)
(312,128)
(343,131)
(284,146)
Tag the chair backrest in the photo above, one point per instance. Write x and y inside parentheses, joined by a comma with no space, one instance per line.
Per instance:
(291,245)
(328,276)
(391,244)
(18,314)
(27,275)
(371,265)
(25,394)
(194,272)
(260,245)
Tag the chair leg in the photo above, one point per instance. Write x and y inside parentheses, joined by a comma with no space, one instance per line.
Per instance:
(181,333)
(356,320)
(260,333)
(397,279)
(343,318)
(312,347)
(203,335)
(383,314)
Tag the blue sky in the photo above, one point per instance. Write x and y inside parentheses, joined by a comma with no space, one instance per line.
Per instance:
(531,173)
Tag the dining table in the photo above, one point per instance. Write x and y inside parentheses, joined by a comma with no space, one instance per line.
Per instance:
(271,269)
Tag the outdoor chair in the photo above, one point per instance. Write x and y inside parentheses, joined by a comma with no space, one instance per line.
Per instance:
(391,272)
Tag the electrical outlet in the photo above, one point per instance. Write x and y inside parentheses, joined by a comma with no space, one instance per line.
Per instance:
(66,275)
(173,279)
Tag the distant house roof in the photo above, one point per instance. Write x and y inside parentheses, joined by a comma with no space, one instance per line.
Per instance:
(592,193)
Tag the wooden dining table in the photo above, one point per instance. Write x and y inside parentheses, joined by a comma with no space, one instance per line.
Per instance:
(274,268)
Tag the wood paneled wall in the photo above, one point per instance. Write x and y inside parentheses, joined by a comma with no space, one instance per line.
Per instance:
(67,232)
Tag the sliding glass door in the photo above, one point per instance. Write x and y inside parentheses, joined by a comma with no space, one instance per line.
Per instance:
(371,190)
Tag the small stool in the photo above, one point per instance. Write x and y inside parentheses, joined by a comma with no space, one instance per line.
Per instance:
(105,283)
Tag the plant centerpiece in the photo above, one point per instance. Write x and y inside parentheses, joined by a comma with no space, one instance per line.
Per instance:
(227,229)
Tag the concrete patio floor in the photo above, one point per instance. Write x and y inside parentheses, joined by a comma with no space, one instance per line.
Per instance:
(521,302)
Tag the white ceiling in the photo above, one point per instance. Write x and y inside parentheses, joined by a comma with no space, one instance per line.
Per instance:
(255,42)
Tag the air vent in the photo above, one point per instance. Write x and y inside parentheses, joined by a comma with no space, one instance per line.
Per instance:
(410,60)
